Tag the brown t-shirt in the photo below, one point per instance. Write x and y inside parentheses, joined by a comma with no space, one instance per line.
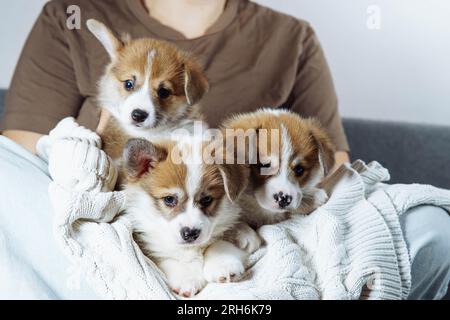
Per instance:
(253,57)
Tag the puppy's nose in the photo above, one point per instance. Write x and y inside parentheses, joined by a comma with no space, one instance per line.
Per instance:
(139,115)
(190,235)
(282,199)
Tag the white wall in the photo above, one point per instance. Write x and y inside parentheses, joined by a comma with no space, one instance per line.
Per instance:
(399,72)
(16,19)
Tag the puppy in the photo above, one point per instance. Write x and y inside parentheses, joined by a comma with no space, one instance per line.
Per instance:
(292,156)
(150,88)
(180,211)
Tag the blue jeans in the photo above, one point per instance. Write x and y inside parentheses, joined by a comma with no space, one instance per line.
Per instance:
(427,234)
(33,267)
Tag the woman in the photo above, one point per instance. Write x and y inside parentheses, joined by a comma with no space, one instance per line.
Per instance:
(253,57)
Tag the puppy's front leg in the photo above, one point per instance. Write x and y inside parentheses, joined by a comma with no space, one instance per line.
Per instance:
(244,237)
(313,198)
(224,262)
(185,278)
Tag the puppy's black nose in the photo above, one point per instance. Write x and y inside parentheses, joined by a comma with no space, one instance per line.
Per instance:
(139,115)
(282,199)
(190,235)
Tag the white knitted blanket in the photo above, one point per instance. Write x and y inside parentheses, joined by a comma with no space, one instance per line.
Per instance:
(351,247)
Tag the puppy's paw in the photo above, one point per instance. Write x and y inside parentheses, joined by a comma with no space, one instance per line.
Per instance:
(247,239)
(223,262)
(187,287)
(185,279)
(313,198)
(228,269)
(320,198)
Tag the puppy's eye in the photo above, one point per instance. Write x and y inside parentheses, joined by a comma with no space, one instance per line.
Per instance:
(128,85)
(170,201)
(298,170)
(206,201)
(163,93)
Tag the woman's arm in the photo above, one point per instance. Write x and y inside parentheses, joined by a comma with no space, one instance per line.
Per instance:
(313,94)
(26,139)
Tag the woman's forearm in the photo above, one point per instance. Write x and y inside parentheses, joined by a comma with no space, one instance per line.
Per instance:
(26,139)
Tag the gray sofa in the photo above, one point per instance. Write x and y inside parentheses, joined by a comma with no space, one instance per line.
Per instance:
(411,152)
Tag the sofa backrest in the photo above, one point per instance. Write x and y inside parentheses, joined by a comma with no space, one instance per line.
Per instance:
(413,153)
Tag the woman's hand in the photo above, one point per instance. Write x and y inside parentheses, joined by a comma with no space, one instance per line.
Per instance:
(340,158)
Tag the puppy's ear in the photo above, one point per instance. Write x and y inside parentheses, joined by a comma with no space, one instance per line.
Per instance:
(325,148)
(195,83)
(235,179)
(106,37)
(140,156)
(125,38)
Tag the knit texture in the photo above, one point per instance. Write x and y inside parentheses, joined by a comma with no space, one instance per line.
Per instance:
(350,248)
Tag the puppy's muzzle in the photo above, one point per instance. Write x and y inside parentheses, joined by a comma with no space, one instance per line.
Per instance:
(282,199)
(139,115)
(190,235)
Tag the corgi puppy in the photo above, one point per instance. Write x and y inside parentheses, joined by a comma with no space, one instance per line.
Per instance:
(180,211)
(293,155)
(150,87)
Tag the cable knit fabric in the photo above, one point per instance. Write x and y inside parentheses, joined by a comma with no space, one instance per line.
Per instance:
(350,248)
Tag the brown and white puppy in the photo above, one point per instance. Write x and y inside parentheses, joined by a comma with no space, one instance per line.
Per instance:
(150,87)
(285,176)
(180,211)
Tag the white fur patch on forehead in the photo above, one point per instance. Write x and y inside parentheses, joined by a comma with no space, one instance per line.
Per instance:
(286,151)
(186,85)
(193,178)
(190,149)
(149,66)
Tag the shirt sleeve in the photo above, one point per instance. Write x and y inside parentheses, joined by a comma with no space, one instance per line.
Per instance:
(43,89)
(313,94)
